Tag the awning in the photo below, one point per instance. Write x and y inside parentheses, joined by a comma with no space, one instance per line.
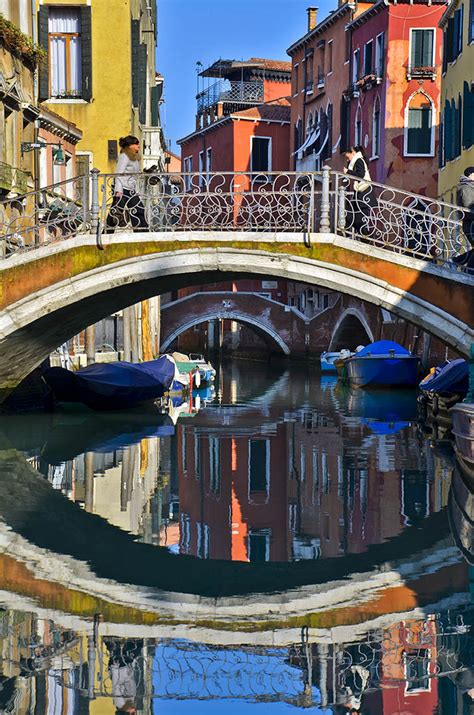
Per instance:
(313,137)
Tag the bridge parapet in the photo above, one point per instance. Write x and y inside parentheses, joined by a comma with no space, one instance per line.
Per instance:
(327,202)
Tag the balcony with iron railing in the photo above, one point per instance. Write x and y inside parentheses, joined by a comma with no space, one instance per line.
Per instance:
(417,71)
(12,179)
(233,92)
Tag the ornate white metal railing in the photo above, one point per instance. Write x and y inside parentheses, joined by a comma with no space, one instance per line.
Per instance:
(268,202)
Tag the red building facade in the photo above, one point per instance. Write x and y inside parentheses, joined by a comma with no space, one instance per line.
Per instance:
(393,94)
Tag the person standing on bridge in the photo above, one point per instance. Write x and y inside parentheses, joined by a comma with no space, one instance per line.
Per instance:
(361,201)
(127,206)
(465,199)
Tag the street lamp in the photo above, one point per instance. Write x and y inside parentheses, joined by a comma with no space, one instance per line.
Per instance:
(58,154)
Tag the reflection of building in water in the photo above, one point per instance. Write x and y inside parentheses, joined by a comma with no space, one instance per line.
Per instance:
(125,486)
(302,486)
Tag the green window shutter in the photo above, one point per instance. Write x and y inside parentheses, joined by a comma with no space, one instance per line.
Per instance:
(461,23)
(427,53)
(417,48)
(450,41)
(154,99)
(142,66)
(445,52)
(86,50)
(43,19)
(468,117)
(441,162)
(419,131)
(135,45)
(459,127)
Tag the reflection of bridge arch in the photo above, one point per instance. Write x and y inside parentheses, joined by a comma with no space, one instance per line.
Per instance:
(354,321)
(228,315)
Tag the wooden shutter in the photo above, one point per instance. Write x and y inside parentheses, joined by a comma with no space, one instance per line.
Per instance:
(468,117)
(445,52)
(441,162)
(450,41)
(135,45)
(142,65)
(43,39)
(86,49)
(154,100)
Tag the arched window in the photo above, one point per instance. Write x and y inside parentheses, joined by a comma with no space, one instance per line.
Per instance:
(376,128)
(309,125)
(419,126)
(358,127)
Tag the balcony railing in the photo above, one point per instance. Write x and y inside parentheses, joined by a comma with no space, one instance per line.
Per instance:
(12,179)
(321,80)
(228,91)
(421,72)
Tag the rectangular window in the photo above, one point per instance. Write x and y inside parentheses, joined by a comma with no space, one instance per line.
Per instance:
(208,163)
(379,54)
(356,66)
(214,465)
(188,167)
(368,57)
(376,131)
(417,664)
(422,48)
(65,61)
(419,131)
(259,465)
(309,73)
(330,43)
(261,160)
(258,545)
(296,71)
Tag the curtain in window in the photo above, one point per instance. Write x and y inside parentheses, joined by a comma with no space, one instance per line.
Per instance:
(419,130)
(64,27)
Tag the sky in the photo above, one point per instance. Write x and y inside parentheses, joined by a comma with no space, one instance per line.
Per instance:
(205,30)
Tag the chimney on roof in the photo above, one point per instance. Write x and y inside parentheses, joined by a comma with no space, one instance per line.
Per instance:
(312,17)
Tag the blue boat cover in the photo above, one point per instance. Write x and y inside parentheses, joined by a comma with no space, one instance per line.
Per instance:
(381,428)
(382,347)
(128,374)
(450,377)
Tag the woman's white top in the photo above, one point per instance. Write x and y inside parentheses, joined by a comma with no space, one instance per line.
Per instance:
(126,168)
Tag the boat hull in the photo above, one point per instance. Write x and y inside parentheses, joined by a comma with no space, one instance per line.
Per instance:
(463,430)
(383,371)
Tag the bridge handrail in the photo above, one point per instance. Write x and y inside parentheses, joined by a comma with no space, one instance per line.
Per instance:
(305,202)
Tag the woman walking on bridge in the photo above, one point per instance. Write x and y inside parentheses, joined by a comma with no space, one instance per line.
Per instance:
(127,206)
(361,202)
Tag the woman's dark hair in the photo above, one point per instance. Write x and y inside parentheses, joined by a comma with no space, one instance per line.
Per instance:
(129,140)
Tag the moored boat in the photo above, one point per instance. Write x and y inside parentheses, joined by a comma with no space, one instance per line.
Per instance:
(195,365)
(115,385)
(383,363)
(463,430)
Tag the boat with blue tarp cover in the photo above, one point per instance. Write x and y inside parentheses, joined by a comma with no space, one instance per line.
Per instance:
(450,378)
(116,385)
(383,363)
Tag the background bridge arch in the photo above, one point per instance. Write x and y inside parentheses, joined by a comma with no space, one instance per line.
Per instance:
(228,315)
(351,330)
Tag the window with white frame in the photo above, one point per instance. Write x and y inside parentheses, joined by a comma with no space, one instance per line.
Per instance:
(358,127)
(258,545)
(202,168)
(188,167)
(376,129)
(422,48)
(259,466)
(379,54)
(356,66)
(419,126)
(65,62)
(260,154)
(208,162)
(368,54)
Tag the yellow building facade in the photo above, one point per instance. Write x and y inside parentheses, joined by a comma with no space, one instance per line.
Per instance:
(457,96)
(100,73)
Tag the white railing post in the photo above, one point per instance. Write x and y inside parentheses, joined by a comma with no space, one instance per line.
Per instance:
(341,208)
(324,224)
(95,206)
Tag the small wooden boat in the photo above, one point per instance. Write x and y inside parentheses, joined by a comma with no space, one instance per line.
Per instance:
(195,364)
(330,361)
(383,363)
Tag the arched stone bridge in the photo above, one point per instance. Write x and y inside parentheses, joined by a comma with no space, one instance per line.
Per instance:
(208,229)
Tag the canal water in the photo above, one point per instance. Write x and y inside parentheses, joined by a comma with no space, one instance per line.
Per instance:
(281,543)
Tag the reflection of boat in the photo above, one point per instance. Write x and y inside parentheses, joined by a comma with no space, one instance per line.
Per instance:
(327,361)
(461,510)
(441,389)
(113,386)
(383,411)
(463,430)
(383,364)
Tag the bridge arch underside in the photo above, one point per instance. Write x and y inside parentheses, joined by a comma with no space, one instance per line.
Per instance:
(265,331)
(35,325)
(350,331)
